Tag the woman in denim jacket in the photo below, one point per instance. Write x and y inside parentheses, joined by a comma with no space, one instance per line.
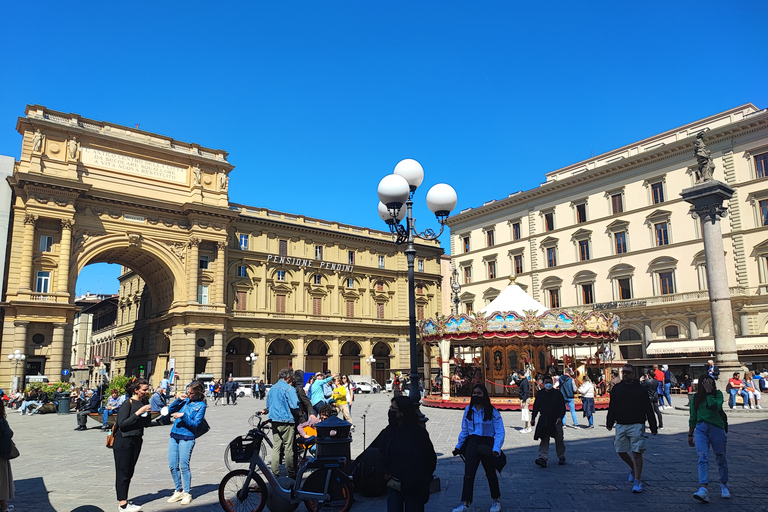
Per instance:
(188,412)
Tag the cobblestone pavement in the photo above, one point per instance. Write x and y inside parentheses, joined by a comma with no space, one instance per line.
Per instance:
(63,470)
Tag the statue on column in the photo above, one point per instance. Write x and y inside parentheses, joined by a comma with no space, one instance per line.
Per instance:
(198,175)
(223,181)
(73,146)
(703,158)
(37,141)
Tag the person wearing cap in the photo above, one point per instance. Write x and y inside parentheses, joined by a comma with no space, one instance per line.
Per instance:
(629,409)
(316,393)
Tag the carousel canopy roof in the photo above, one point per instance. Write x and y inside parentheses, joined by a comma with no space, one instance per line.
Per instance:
(514,298)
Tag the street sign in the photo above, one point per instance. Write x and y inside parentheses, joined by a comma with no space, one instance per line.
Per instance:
(65,372)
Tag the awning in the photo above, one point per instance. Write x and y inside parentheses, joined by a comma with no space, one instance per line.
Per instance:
(698,347)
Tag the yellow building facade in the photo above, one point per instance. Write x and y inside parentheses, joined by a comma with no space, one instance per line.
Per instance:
(209,282)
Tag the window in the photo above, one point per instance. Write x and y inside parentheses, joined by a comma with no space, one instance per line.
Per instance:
(466,243)
(657,192)
(280,303)
(469,307)
(763,212)
(281,275)
(671,331)
(46,243)
(467,275)
(617,203)
(43,282)
(581,213)
(350,308)
(587,295)
(381,261)
(516,231)
(420,312)
(204,260)
(421,265)
(554,298)
(620,242)
(350,282)
(549,221)
(491,270)
(379,310)
(624,288)
(761,165)
(662,236)
(489,238)
(584,250)
(244,242)
(282,247)
(518,261)
(317,279)
(666,283)
(318,252)
(202,294)
(241,299)
(551,257)
(241,272)
(351,257)
(317,305)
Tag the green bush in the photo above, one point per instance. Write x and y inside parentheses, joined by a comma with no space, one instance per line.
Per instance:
(50,388)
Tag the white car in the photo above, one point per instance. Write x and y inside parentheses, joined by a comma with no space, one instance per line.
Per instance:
(376,386)
(388,385)
(368,387)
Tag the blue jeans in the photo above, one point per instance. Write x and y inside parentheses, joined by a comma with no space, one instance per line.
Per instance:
(705,435)
(660,391)
(667,392)
(734,392)
(396,502)
(570,405)
(179,453)
(105,415)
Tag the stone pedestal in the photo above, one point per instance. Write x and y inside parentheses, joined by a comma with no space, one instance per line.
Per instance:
(707,200)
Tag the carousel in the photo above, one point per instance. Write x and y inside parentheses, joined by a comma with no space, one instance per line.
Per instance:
(516,336)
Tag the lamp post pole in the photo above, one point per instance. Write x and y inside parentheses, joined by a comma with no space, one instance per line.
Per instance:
(396,190)
(370,361)
(251,359)
(15,357)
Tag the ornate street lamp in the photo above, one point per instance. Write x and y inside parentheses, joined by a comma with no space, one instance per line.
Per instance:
(396,191)
(456,289)
(15,358)
(370,361)
(251,359)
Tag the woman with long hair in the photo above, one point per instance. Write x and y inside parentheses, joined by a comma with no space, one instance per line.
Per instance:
(350,391)
(706,427)
(587,391)
(132,418)
(188,413)
(341,400)
(7,489)
(409,458)
(480,440)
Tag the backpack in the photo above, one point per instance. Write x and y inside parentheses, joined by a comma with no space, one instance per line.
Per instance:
(327,390)
(673,380)
(566,386)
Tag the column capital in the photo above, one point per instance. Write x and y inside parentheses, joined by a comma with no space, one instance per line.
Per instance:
(194,241)
(709,213)
(30,218)
(20,323)
(60,325)
(222,244)
(190,330)
(67,223)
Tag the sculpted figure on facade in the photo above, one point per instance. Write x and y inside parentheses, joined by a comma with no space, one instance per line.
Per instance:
(223,181)
(198,175)
(703,158)
(37,141)
(73,146)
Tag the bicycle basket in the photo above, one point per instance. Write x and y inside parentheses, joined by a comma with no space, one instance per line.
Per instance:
(241,449)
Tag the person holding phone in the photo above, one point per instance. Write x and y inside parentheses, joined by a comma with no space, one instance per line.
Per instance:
(706,427)
(132,419)
(188,413)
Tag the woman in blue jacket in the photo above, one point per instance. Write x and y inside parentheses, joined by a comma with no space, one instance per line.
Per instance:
(188,413)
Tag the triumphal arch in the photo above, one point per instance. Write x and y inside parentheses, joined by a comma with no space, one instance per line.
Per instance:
(223,280)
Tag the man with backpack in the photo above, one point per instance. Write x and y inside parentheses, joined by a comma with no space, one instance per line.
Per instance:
(568,388)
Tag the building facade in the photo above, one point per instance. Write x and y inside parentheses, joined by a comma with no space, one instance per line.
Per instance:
(205,282)
(612,232)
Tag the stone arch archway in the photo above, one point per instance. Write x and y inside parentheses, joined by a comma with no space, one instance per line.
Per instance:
(279,356)
(316,356)
(235,364)
(350,358)
(382,352)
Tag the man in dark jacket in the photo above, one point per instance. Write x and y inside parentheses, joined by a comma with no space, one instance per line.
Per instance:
(568,389)
(93,407)
(649,382)
(305,406)
(230,389)
(524,388)
(551,404)
(629,409)
(262,389)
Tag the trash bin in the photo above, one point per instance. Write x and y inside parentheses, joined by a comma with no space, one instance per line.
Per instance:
(333,438)
(63,406)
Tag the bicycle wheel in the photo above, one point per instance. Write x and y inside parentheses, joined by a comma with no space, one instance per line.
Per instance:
(233,498)
(232,466)
(339,490)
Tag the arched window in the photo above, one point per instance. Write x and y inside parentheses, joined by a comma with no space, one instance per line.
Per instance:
(671,331)
(630,335)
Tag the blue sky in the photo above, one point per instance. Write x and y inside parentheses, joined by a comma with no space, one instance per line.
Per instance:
(317,101)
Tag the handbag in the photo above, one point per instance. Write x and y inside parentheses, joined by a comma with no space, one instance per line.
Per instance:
(111,436)
(14,451)
(202,428)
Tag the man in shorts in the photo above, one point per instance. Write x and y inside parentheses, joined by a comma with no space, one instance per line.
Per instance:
(629,409)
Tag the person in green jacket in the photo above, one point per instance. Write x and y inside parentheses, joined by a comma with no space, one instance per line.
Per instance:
(706,427)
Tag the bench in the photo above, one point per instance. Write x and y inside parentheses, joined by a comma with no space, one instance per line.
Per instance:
(96,416)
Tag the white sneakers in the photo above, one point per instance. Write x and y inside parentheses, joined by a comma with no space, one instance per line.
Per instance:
(461,508)
(184,497)
(496,507)
(724,492)
(129,507)
(525,430)
(702,495)
(177,496)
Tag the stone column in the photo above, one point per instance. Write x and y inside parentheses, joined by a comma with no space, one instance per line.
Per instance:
(335,357)
(445,351)
(744,323)
(25,273)
(186,370)
(693,327)
(66,247)
(20,343)
(299,354)
(707,198)
(216,362)
(261,350)
(221,273)
(647,337)
(55,361)
(192,269)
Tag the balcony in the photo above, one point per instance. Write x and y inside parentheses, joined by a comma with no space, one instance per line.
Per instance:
(667,299)
(43,297)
